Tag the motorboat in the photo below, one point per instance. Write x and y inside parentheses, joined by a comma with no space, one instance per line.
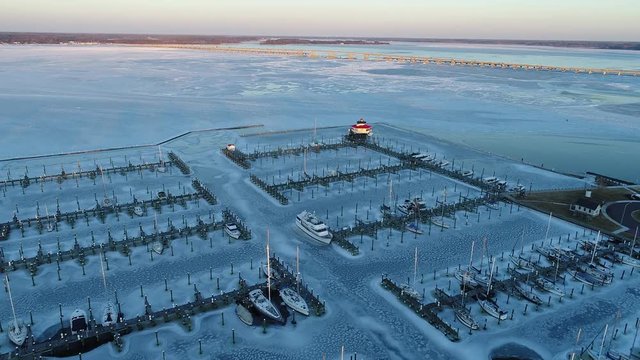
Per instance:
(162,195)
(265,306)
(78,321)
(157,247)
(109,315)
(107,202)
(138,210)
(464,316)
(405,207)
(294,300)
(467,173)
(244,315)
(490,180)
(314,227)
(232,230)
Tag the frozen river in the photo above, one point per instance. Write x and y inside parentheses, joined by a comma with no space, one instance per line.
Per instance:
(60,98)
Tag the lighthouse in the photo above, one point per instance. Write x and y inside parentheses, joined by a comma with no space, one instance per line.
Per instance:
(360,131)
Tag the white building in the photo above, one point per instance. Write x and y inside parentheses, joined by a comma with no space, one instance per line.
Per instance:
(586,206)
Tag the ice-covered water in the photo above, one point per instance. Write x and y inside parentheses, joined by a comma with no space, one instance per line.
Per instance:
(109,96)
(68,98)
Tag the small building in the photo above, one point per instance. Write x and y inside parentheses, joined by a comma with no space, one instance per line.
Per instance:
(586,206)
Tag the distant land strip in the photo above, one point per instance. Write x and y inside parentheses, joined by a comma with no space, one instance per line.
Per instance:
(147,39)
(351,55)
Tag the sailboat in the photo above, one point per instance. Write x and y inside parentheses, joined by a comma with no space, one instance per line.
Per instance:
(17,329)
(292,297)
(549,286)
(528,294)
(491,307)
(157,246)
(106,201)
(413,227)
(50,226)
(466,276)
(257,298)
(161,168)
(410,289)
(109,313)
(464,316)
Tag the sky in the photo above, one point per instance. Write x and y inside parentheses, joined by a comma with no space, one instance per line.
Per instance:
(501,19)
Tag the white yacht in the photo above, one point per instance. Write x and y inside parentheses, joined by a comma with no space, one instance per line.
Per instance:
(294,301)
(467,173)
(78,321)
(265,306)
(314,227)
(232,230)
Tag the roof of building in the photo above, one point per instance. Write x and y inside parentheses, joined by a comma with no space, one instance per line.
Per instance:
(588,203)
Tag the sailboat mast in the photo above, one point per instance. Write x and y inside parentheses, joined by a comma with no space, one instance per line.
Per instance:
(415,267)
(471,257)
(13,309)
(606,328)
(595,247)
(634,242)
(297,269)
(104,278)
(268,267)
(493,265)
(546,235)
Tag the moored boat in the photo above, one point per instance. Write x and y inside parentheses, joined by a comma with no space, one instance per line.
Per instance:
(407,289)
(157,247)
(314,227)
(493,309)
(244,315)
(465,277)
(294,300)
(18,332)
(628,260)
(232,230)
(549,286)
(521,263)
(109,315)
(467,173)
(439,223)
(528,295)
(464,316)
(413,227)
(265,306)
(138,210)
(78,321)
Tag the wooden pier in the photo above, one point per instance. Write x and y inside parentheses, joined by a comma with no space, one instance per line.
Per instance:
(96,334)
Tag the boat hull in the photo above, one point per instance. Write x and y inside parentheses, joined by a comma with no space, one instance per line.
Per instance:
(323,240)
(17,334)
(293,300)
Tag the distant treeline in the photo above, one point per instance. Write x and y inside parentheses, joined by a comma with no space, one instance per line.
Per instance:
(613,45)
(137,39)
(57,38)
(301,41)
